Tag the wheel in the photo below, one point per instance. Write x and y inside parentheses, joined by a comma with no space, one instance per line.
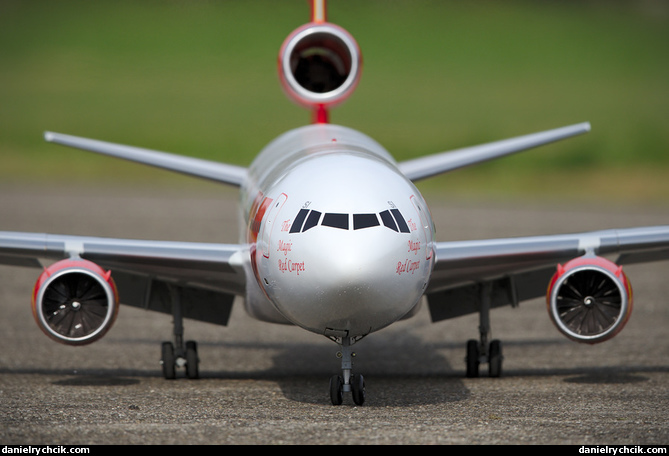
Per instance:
(472,358)
(495,362)
(192,360)
(358,389)
(167,359)
(336,386)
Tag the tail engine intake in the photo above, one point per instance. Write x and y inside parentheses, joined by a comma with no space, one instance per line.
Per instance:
(319,65)
(589,299)
(75,302)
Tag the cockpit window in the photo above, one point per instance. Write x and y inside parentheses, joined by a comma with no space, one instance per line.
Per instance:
(335,220)
(299,221)
(404,228)
(361,221)
(312,220)
(307,219)
(388,220)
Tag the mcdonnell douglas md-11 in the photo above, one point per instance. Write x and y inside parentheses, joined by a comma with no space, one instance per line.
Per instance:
(336,240)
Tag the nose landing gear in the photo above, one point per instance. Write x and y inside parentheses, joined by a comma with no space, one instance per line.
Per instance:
(347,382)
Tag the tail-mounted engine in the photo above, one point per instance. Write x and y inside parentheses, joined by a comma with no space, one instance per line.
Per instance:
(589,299)
(75,302)
(319,65)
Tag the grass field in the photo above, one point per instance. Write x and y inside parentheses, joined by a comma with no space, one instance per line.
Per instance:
(199,78)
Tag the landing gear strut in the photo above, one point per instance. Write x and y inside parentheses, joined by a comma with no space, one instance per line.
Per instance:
(347,382)
(177,354)
(480,351)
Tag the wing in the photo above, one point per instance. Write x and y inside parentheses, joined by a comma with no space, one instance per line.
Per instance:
(521,268)
(431,165)
(208,276)
(217,172)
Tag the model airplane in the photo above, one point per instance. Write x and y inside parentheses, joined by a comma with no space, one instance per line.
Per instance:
(336,240)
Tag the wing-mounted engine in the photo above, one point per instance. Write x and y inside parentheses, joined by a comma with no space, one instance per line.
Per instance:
(589,299)
(75,302)
(319,66)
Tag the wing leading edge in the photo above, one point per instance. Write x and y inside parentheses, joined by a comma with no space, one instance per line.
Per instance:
(416,169)
(432,165)
(207,276)
(206,169)
(519,269)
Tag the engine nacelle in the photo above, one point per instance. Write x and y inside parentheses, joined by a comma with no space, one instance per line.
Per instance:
(319,65)
(75,302)
(589,299)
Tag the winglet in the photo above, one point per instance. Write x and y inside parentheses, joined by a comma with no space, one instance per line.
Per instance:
(431,165)
(215,171)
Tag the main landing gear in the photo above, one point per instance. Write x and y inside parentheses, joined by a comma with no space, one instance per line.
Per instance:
(480,351)
(347,382)
(176,354)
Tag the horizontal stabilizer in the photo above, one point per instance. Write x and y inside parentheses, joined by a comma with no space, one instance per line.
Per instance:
(219,172)
(432,165)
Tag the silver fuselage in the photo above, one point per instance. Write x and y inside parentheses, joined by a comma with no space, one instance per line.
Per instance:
(341,242)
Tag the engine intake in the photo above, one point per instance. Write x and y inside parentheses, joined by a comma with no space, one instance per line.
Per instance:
(75,302)
(319,65)
(589,299)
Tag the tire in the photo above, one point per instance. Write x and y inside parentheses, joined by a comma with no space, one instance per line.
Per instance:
(167,359)
(336,385)
(495,363)
(472,359)
(192,361)
(358,389)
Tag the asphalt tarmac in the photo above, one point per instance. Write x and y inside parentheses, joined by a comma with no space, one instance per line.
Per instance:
(265,384)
